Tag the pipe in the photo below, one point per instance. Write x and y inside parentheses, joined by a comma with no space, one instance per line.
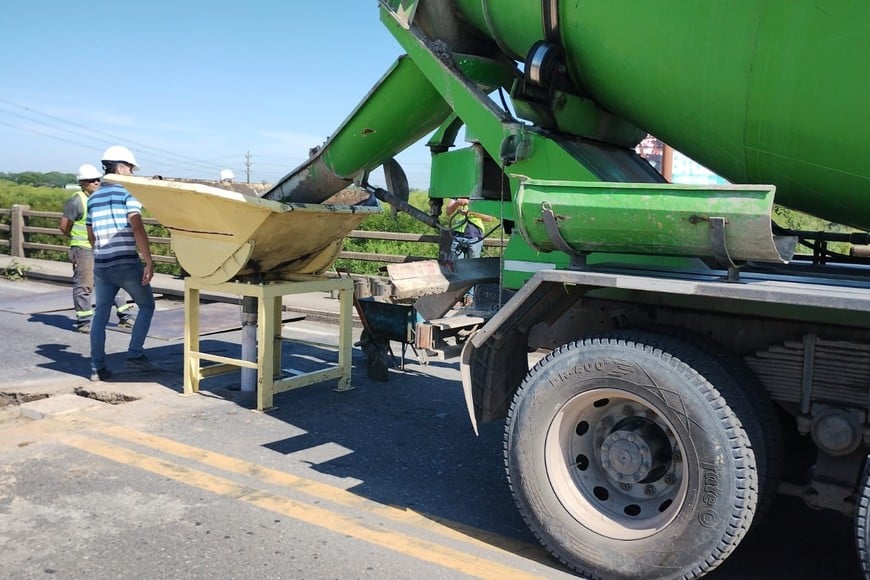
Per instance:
(249,342)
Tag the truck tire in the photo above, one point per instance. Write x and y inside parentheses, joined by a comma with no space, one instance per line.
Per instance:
(627,463)
(749,400)
(862,520)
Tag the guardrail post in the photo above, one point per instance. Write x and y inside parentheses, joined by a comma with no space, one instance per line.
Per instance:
(16,237)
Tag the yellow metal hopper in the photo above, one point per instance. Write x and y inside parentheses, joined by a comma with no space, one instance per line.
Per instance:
(218,235)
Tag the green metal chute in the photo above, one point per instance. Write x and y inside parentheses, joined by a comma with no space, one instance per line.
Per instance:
(725,222)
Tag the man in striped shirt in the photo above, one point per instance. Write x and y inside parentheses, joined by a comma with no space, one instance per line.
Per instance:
(116,232)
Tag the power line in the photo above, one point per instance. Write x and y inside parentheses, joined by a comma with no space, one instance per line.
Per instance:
(90,132)
(35,132)
(89,137)
(165,157)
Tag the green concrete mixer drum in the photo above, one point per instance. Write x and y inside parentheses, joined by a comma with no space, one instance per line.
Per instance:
(759,91)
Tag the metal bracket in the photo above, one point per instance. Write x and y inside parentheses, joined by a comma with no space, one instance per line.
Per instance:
(720,248)
(808,372)
(550,10)
(578,259)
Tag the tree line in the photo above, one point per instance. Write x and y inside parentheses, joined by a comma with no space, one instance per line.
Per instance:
(37,179)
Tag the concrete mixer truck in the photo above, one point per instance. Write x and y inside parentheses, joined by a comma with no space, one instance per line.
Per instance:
(689,362)
(695,364)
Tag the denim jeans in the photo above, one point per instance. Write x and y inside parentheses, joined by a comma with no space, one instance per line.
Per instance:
(107,283)
(466,247)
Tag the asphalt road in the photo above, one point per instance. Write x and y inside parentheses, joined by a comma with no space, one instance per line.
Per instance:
(385,481)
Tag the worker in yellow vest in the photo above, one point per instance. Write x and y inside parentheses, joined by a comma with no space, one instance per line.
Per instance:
(469,228)
(469,231)
(81,254)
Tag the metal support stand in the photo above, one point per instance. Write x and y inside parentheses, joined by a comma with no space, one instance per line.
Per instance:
(268,364)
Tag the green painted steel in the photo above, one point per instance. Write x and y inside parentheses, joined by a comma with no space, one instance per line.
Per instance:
(760,91)
(384,123)
(397,112)
(631,218)
(523,152)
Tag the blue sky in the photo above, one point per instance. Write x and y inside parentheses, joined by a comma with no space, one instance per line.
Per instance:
(189,86)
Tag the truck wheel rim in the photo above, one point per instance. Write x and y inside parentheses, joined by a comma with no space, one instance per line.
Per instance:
(616,464)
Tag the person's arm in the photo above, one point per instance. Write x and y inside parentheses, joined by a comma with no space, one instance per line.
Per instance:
(65,226)
(455,205)
(485,217)
(91,237)
(141,237)
(71,213)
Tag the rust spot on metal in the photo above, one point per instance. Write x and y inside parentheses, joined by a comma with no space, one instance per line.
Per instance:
(367,131)
(696,219)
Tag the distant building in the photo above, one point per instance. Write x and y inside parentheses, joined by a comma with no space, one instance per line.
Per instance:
(683,169)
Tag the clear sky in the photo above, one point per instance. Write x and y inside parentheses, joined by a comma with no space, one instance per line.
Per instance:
(190,86)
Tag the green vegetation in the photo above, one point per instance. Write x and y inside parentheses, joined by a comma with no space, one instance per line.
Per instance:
(384,222)
(795,220)
(52,179)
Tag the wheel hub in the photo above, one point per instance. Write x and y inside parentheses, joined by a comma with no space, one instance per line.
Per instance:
(625,457)
(635,451)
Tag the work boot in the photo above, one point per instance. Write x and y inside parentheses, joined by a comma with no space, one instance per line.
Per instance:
(83,328)
(125,322)
(102,374)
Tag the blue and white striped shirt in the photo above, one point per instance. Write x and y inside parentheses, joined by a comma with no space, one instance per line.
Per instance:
(108,208)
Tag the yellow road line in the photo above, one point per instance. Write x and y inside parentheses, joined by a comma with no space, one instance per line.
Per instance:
(323,491)
(316,516)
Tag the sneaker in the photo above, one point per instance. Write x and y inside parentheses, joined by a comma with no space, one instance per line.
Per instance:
(103,374)
(83,328)
(125,322)
(142,365)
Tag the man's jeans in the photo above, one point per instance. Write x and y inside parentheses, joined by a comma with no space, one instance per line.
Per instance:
(466,247)
(107,282)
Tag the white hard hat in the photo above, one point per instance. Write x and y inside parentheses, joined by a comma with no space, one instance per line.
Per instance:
(227,175)
(120,153)
(88,172)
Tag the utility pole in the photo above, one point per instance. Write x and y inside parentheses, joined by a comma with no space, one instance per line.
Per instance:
(248,167)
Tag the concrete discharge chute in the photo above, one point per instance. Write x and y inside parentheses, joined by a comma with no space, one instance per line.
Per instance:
(220,235)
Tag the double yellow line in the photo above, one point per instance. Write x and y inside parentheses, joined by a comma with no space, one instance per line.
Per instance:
(376,534)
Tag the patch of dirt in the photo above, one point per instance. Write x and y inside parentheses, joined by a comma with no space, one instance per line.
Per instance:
(7,399)
(105,397)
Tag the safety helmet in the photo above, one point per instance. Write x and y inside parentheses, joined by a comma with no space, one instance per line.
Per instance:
(88,172)
(117,153)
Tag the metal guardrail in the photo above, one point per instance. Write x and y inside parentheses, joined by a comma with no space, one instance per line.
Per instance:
(16,235)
